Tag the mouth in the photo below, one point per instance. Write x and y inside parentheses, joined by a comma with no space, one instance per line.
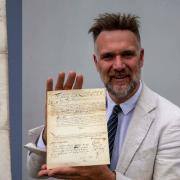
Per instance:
(120,80)
(119,77)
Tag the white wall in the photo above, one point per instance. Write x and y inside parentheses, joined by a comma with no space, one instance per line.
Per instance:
(55,38)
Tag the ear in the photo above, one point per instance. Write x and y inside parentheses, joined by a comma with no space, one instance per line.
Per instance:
(95,62)
(141,57)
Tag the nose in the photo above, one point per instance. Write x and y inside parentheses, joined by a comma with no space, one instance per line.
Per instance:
(118,63)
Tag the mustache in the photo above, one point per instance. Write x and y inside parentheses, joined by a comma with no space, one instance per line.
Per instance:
(120,74)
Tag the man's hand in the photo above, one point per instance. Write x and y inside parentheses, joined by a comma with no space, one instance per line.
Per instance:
(73,82)
(79,173)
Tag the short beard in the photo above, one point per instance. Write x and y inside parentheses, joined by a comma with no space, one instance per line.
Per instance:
(123,92)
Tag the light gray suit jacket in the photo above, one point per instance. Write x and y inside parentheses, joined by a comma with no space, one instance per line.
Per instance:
(151,149)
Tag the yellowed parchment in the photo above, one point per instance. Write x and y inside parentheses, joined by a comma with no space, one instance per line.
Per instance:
(5,165)
(77,128)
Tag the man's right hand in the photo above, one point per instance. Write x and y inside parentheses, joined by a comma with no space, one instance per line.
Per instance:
(73,81)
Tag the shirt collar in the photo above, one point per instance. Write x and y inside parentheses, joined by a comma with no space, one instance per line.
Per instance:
(127,106)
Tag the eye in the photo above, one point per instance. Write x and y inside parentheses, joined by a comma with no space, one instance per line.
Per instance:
(128,54)
(107,56)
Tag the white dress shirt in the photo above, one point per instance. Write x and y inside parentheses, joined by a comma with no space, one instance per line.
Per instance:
(123,122)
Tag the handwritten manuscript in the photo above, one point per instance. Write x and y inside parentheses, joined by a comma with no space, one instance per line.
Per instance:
(77,128)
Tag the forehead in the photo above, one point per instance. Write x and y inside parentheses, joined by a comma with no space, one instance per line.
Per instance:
(116,40)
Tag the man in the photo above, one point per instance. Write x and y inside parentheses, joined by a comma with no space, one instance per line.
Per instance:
(146,142)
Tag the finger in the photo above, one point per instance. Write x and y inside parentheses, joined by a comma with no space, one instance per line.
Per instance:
(70,80)
(79,82)
(44,167)
(49,84)
(63,171)
(43,173)
(49,87)
(60,81)
(68,177)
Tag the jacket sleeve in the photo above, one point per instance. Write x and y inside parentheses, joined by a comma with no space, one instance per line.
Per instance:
(167,164)
(35,157)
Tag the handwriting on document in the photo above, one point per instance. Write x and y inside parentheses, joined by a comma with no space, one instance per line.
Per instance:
(77,128)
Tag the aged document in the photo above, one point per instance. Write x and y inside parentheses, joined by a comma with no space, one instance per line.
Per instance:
(5,161)
(77,128)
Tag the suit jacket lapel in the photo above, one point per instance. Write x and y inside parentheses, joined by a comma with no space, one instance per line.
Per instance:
(140,123)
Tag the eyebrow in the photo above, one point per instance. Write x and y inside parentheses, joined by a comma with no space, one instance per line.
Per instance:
(107,54)
(127,52)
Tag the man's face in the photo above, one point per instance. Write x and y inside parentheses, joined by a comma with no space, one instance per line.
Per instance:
(118,59)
